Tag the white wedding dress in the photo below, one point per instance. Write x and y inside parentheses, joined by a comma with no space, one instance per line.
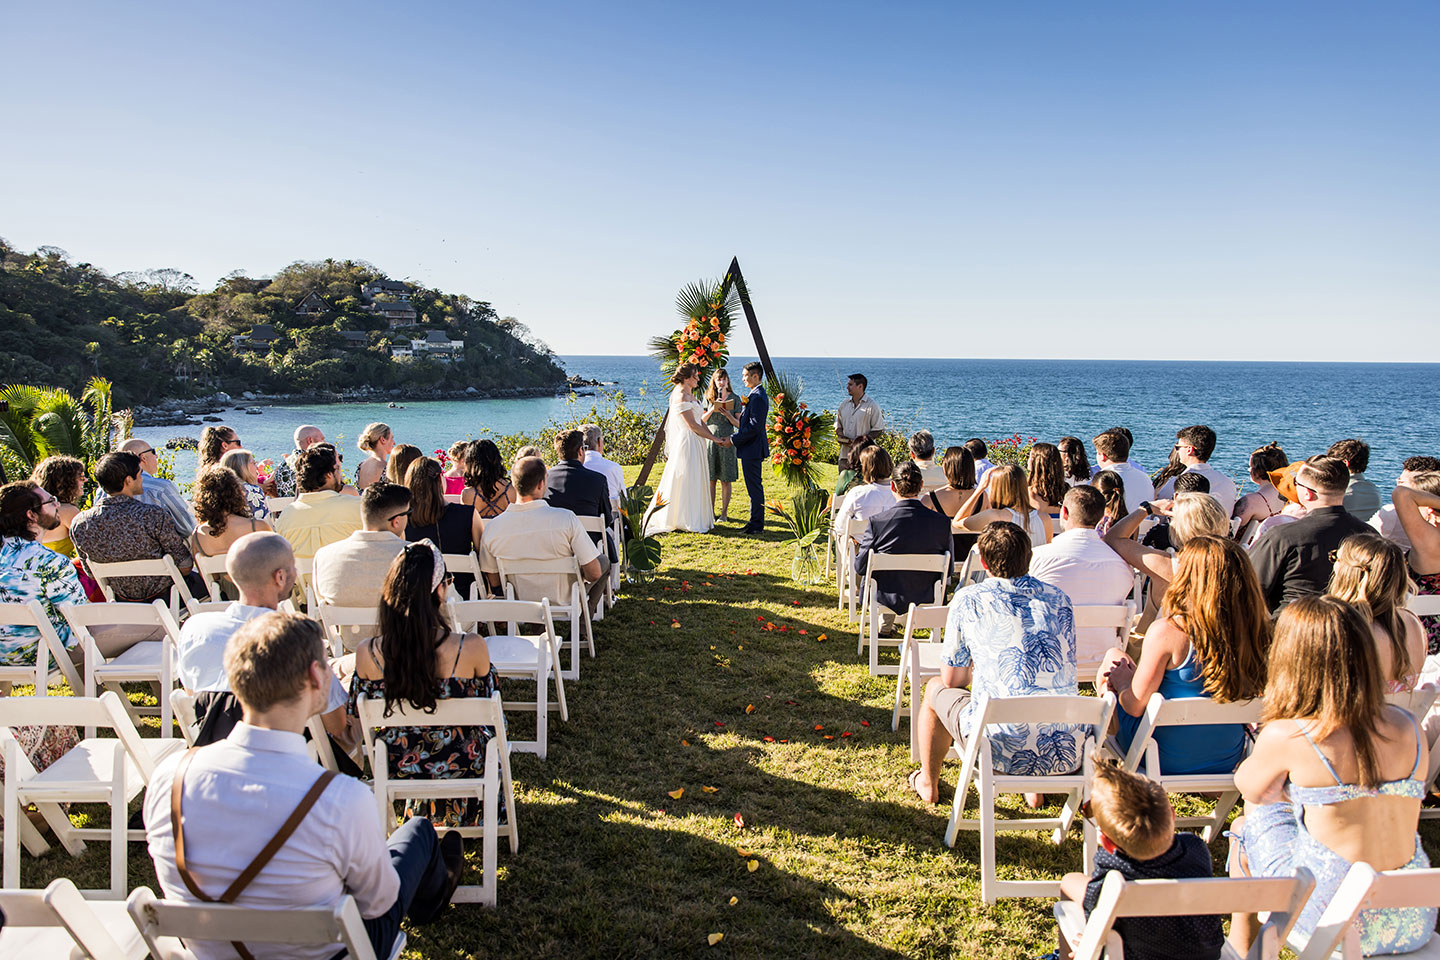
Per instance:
(685,484)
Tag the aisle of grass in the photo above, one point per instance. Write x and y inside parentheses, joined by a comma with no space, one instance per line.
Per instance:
(848,862)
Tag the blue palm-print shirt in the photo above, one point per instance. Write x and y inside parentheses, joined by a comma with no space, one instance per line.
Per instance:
(1019,637)
(30,571)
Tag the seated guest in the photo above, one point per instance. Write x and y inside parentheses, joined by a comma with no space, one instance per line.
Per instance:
(454,470)
(583,492)
(351,572)
(215,442)
(846,478)
(1211,640)
(1331,746)
(1362,498)
(1294,561)
(959,469)
(922,454)
(1385,522)
(63,478)
(979,453)
(1370,570)
(1112,452)
(321,514)
(595,460)
(222,511)
(1418,508)
(242,462)
(1112,488)
(534,530)
(1266,501)
(258,778)
(1078,562)
(907,527)
(377,440)
(1077,464)
(1010,499)
(1138,841)
(122,527)
(529,450)
(452,527)
(872,496)
(262,567)
(1283,480)
(1159,535)
(399,462)
(1006,619)
(160,492)
(306,436)
(31,571)
(1191,515)
(1046,473)
(487,486)
(1194,445)
(417,660)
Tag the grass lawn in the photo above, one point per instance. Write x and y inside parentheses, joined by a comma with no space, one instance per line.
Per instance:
(849,864)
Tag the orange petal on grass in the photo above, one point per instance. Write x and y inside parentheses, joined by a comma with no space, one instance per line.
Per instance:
(750,708)
(768,739)
(734,900)
(804,632)
(740,821)
(674,624)
(829,737)
(743,852)
(714,938)
(752,865)
(675,794)
(684,743)
(864,723)
(822,637)
(709,789)
(819,726)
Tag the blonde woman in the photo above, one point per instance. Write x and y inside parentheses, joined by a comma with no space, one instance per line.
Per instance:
(1010,500)
(1370,570)
(376,440)
(1191,515)
(242,463)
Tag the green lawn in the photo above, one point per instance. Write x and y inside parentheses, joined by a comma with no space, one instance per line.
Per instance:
(850,864)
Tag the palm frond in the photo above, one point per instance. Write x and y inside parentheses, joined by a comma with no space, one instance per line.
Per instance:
(62,429)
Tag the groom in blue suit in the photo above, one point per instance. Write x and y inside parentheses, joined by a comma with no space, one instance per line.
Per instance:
(751,444)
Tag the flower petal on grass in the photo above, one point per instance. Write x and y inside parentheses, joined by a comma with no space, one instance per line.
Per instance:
(750,708)
(768,739)
(675,794)
(804,632)
(847,733)
(740,821)
(822,637)
(719,724)
(864,723)
(709,789)
(752,865)
(714,938)
(829,737)
(684,743)
(734,900)
(819,726)
(744,853)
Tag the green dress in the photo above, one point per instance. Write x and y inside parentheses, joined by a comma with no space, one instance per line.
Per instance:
(723,465)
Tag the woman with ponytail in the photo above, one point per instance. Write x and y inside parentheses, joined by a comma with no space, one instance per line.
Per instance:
(1112,487)
(418,660)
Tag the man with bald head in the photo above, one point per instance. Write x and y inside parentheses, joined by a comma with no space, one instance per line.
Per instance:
(306,436)
(263,568)
(157,491)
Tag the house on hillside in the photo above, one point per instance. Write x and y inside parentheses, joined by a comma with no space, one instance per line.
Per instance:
(354,339)
(261,337)
(397,313)
(385,288)
(437,345)
(312,306)
(401,353)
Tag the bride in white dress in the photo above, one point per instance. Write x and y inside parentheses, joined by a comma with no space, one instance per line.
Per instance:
(685,484)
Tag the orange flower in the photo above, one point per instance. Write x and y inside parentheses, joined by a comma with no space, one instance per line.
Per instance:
(704,362)
(705,341)
(779,396)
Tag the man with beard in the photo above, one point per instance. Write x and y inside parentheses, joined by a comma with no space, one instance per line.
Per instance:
(31,571)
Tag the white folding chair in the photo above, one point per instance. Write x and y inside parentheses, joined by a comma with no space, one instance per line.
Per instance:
(150,661)
(1365,888)
(1091,712)
(1144,754)
(112,771)
(58,922)
(1116,617)
(919,660)
(1246,534)
(357,623)
(459,712)
(574,608)
(870,607)
(597,525)
(535,657)
(1207,896)
(617,530)
(49,648)
(466,563)
(184,706)
(971,571)
(277,505)
(210,569)
(1417,701)
(846,586)
(1427,605)
(305,570)
(164,925)
(218,606)
(164,567)
(318,746)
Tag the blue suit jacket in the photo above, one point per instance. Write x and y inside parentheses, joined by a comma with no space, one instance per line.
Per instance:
(750,438)
(907,527)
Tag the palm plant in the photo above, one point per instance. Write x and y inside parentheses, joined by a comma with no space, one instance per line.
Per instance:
(696,303)
(42,421)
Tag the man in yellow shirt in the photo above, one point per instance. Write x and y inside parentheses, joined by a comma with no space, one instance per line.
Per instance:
(321,515)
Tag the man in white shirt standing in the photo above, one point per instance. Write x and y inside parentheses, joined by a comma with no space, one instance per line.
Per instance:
(257,778)
(1079,563)
(857,417)
(1112,452)
(594,459)
(1194,445)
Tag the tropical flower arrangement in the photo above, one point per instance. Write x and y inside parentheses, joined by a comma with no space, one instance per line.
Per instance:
(265,471)
(444,459)
(805,521)
(708,309)
(797,434)
(642,553)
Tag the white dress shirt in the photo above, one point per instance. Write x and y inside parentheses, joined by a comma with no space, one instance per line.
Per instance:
(200,654)
(614,476)
(534,530)
(1387,523)
(237,793)
(1137,484)
(1079,562)
(863,502)
(1222,488)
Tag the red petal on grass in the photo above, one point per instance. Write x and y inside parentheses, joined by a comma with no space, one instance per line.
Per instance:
(791,703)
(719,724)
(740,821)
(759,619)
(795,603)
(768,739)
(803,632)
(864,723)
(847,733)
(819,726)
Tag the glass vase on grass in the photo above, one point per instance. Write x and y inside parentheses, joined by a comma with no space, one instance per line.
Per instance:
(805,522)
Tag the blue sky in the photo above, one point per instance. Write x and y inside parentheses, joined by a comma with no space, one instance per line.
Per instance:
(1151,180)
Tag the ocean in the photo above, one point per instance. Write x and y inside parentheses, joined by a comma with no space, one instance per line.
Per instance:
(1302,406)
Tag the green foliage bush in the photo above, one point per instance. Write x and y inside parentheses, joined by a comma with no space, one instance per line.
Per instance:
(628,432)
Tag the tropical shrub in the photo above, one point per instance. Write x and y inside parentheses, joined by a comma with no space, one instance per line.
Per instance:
(44,421)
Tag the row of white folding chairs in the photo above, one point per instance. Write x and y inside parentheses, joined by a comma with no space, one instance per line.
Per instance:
(165,566)
(871,610)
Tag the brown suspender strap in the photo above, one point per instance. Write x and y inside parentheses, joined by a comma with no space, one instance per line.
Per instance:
(232,892)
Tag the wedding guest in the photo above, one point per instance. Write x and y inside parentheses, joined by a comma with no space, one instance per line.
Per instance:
(1362,498)
(1077,464)
(1336,775)
(1385,522)
(1418,509)
(859,416)
(1191,515)
(1159,534)
(223,514)
(922,453)
(63,478)
(872,496)
(1194,445)
(846,478)
(1210,640)
(959,469)
(526,451)
(377,440)
(1112,452)
(215,442)
(1283,480)
(242,462)
(159,492)
(417,660)
(30,571)
(1294,561)
(487,486)
(450,526)
(1112,488)
(595,460)
(1370,570)
(399,462)
(455,471)
(979,453)
(351,572)
(1172,469)
(1010,500)
(906,527)
(1266,501)
(721,418)
(283,481)
(321,514)
(1046,472)
(583,492)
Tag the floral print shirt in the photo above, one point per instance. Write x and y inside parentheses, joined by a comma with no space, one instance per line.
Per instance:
(1019,637)
(123,528)
(31,571)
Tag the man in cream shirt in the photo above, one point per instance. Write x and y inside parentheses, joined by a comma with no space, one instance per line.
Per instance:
(351,572)
(322,514)
(857,417)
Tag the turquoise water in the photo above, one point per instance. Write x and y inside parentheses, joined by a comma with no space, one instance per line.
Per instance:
(1303,406)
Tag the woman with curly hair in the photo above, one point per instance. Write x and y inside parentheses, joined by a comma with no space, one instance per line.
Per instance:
(215,442)
(455,470)
(223,514)
(64,479)
(1046,471)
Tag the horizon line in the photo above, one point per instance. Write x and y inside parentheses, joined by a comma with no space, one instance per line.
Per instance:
(1416,363)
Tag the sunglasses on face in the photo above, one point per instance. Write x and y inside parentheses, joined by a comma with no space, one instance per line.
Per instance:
(399,515)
